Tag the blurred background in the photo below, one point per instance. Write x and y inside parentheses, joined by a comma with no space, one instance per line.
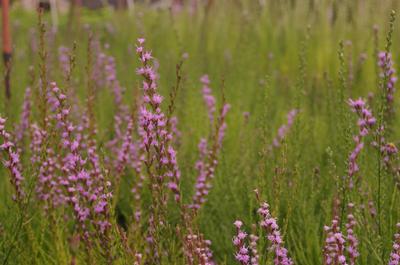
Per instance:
(268,57)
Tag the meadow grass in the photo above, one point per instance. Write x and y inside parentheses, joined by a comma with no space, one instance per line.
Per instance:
(265,59)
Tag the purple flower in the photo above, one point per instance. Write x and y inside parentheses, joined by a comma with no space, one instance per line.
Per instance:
(208,98)
(284,129)
(64,60)
(357,104)
(156,136)
(197,249)
(394,258)
(385,62)
(334,245)
(242,254)
(351,238)
(207,163)
(22,128)
(269,224)
(238,224)
(12,162)
(254,252)
(365,123)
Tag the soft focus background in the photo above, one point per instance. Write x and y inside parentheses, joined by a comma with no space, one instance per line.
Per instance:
(268,57)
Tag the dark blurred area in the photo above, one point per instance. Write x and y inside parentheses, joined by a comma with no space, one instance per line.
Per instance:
(94,4)
(91,4)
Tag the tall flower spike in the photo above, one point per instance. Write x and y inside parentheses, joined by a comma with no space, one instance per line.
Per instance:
(208,98)
(270,225)
(88,196)
(197,249)
(222,126)
(365,122)
(395,254)
(284,129)
(12,162)
(48,188)
(156,141)
(154,126)
(334,245)
(242,253)
(122,115)
(25,116)
(63,59)
(253,247)
(245,255)
(388,72)
(352,241)
(208,160)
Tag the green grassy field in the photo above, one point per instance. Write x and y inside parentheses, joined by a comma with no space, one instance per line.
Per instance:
(265,60)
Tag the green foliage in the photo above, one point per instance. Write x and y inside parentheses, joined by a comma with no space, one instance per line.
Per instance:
(271,61)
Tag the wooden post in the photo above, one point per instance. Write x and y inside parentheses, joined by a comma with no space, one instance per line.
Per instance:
(7,49)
